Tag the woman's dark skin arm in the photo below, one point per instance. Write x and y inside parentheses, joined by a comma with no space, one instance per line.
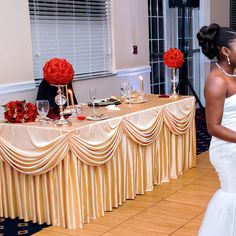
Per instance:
(215,91)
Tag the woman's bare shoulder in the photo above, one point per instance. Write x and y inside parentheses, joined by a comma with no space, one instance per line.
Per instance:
(215,85)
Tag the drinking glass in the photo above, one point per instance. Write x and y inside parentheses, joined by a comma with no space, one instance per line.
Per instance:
(82,111)
(123,89)
(43,109)
(129,93)
(92,96)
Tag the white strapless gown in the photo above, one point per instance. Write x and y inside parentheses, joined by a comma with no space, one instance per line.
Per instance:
(220,216)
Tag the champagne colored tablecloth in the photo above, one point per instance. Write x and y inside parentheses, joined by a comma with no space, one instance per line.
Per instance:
(68,176)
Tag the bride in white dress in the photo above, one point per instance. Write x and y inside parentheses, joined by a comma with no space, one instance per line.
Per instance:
(220,96)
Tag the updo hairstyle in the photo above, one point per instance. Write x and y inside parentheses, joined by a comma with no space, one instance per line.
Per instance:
(213,37)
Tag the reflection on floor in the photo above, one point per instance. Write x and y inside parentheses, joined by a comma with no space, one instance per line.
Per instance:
(174,208)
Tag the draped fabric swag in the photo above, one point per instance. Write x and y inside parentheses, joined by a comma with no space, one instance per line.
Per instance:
(68,177)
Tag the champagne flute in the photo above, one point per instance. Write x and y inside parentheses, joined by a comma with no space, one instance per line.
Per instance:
(92,96)
(43,109)
(129,93)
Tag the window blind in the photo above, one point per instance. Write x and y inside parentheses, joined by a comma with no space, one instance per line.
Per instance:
(76,30)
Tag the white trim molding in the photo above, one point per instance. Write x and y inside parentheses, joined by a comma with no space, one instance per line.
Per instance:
(132,71)
(17,87)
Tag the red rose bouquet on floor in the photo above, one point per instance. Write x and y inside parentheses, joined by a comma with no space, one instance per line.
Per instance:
(20,112)
(174,59)
(58,71)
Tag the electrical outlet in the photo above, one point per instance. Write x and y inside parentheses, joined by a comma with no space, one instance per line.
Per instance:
(135,49)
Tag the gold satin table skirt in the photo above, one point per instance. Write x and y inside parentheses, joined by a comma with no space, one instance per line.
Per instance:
(68,176)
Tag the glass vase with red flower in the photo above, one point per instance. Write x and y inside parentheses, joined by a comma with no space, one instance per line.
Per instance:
(59,72)
(174,59)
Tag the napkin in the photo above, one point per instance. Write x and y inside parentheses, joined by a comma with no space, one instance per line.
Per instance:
(112,108)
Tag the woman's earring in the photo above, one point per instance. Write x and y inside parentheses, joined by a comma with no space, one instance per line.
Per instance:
(228,60)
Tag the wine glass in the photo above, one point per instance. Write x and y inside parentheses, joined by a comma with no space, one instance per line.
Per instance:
(43,109)
(129,93)
(123,89)
(92,96)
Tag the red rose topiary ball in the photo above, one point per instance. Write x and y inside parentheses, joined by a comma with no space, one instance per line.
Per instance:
(173,58)
(58,71)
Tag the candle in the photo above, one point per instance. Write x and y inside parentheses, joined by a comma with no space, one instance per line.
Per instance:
(71,97)
(141,84)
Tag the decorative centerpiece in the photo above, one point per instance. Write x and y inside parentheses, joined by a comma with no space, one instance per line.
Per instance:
(59,72)
(20,112)
(174,59)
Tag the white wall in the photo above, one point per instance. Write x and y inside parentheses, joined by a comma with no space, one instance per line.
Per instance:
(130,27)
(15,47)
(220,12)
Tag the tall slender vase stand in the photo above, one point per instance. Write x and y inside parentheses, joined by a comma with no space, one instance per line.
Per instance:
(174,93)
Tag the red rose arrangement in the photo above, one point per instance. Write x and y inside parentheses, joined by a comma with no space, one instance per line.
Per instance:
(20,112)
(173,58)
(58,71)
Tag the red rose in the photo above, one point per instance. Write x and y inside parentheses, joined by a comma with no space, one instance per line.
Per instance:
(31,112)
(58,71)
(20,118)
(20,110)
(31,107)
(11,112)
(10,105)
(8,116)
(173,58)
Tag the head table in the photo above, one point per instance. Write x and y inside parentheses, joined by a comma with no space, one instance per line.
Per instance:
(66,176)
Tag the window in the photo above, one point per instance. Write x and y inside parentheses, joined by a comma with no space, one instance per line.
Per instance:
(187,41)
(76,30)
(165,31)
(232,14)
(156,45)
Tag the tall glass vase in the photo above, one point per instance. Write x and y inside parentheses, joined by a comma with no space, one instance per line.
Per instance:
(174,93)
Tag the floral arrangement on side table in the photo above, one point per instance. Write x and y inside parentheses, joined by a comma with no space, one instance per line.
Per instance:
(174,59)
(58,71)
(20,112)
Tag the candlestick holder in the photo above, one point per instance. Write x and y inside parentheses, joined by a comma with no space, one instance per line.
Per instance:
(60,100)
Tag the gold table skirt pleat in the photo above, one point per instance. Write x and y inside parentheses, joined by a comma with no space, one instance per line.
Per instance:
(75,175)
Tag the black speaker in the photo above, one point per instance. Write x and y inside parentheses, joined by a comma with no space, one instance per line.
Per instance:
(184,3)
